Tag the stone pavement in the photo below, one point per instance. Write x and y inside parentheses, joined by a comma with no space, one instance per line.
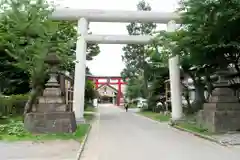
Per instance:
(126,136)
(229,138)
(49,150)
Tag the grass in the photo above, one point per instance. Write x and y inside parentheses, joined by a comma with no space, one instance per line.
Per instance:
(15,131)
(6,120)
(77,135)
(89,117)
(91,109)
(185,125)
(133,106)
(156,116)
(193,128)
(190,124)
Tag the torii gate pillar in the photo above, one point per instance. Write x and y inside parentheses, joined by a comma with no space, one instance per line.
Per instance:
(175,84)
(80,70)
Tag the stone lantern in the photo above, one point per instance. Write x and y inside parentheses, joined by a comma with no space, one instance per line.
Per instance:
(51,115)
(53,61)
(51,100)
(222,112)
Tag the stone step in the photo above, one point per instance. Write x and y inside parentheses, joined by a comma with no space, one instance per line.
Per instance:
(51,100)
(222,106)
(51,107)
(52,92)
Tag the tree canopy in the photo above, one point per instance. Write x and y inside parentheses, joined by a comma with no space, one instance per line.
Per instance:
(206,41)
(27,36)
(135,56)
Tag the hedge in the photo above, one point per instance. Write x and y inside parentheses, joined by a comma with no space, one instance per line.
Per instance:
(12,105)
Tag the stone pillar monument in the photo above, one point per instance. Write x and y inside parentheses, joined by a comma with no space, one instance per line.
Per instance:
(222,112)
(51,115)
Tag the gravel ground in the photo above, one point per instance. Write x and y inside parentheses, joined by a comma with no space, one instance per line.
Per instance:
(48,150)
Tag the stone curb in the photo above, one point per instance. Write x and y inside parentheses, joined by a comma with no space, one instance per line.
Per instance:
(199,135)
(81,149)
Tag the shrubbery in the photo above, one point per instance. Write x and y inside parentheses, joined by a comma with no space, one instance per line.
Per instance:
(12,105)
(14,127)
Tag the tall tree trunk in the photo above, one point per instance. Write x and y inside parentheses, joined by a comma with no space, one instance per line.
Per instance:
(199,96)
(145,81)
(209,90)
(31,100)
(186,94)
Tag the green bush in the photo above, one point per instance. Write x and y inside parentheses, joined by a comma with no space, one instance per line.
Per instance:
(13,104)
(14,127)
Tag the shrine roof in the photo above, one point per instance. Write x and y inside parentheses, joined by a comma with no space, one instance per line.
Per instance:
(94,76)
(107,86)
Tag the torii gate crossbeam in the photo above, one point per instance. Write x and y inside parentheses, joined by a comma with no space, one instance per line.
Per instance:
(97,15)
(86,16)
(119,39)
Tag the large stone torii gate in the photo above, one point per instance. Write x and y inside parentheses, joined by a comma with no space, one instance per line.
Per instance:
(84,16)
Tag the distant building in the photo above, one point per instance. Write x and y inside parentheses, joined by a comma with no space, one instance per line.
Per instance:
(110,88)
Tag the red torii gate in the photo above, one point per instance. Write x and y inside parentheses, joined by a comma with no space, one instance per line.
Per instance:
(119,82)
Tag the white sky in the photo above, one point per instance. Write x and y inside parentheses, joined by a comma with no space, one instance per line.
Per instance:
(109,61)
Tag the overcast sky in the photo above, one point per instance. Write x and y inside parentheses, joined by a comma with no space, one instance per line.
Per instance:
(109,61)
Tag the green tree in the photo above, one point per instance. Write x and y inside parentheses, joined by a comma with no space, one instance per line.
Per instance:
(28,36)
(89,91)
(27,40)
(208,40)
(134,88)
(135,55)
(159,74)
(15,78)
(213,39)
(12,78)
(194,63)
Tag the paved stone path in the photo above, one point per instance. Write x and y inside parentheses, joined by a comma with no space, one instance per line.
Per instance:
(229,138)
(49,150)
(126,136)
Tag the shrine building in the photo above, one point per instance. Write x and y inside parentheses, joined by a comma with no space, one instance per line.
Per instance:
(110,88)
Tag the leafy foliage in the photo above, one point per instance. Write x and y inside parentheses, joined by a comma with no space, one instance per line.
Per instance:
(207,41)
(12,105)
(12,78)
(134,88)
(15,128)
(27,37)
(135,56)
(12,129)
(89,91)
